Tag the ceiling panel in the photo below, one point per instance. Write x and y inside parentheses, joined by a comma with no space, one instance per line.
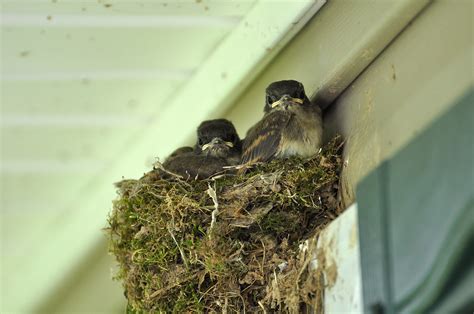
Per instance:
(126,98)
(16,236)
(30,191)
(165,52)
(62,148)
(127,7)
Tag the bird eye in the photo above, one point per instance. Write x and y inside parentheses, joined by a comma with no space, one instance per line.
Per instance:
(269,100)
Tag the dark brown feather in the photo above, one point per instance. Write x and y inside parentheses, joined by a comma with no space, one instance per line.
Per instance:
(193,166)
(263,140)
(180,151)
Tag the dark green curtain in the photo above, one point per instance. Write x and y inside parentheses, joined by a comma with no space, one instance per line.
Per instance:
(416,221)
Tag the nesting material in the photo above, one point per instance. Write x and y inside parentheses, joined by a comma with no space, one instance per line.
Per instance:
(235,243)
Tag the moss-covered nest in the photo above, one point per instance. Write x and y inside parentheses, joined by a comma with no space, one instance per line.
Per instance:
(229,244)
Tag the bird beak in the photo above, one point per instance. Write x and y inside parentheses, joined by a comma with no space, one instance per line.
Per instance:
(216,141)
(286,101)
(206,146)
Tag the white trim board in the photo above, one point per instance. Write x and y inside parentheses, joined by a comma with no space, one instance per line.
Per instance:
(339,244)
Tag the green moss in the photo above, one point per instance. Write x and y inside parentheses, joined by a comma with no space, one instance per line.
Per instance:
(171,260)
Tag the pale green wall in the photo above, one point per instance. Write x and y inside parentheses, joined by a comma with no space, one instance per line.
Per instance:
(90,289)
(417,78)
(329,52)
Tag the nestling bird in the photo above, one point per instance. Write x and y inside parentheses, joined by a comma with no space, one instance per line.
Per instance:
(291,125)
(158,173)
(218,145)
(180,151)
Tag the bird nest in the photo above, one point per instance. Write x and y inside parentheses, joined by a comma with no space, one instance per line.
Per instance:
(233,243)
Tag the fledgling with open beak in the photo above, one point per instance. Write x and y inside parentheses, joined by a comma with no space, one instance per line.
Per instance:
(291,125)
(218,145)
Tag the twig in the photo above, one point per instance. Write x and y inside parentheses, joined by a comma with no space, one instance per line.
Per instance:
(308,258)
(207,291)
(243,303)
(161,291)
(179,247)
(226,304)
(159,165)
(212,193)
(277,288)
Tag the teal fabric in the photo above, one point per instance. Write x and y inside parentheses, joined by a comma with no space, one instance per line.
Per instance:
(416,218)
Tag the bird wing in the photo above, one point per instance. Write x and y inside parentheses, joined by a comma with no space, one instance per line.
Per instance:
(192,166)
(263,139)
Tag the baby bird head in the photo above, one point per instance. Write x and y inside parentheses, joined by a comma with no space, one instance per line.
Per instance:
(217,138)
(283,95)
